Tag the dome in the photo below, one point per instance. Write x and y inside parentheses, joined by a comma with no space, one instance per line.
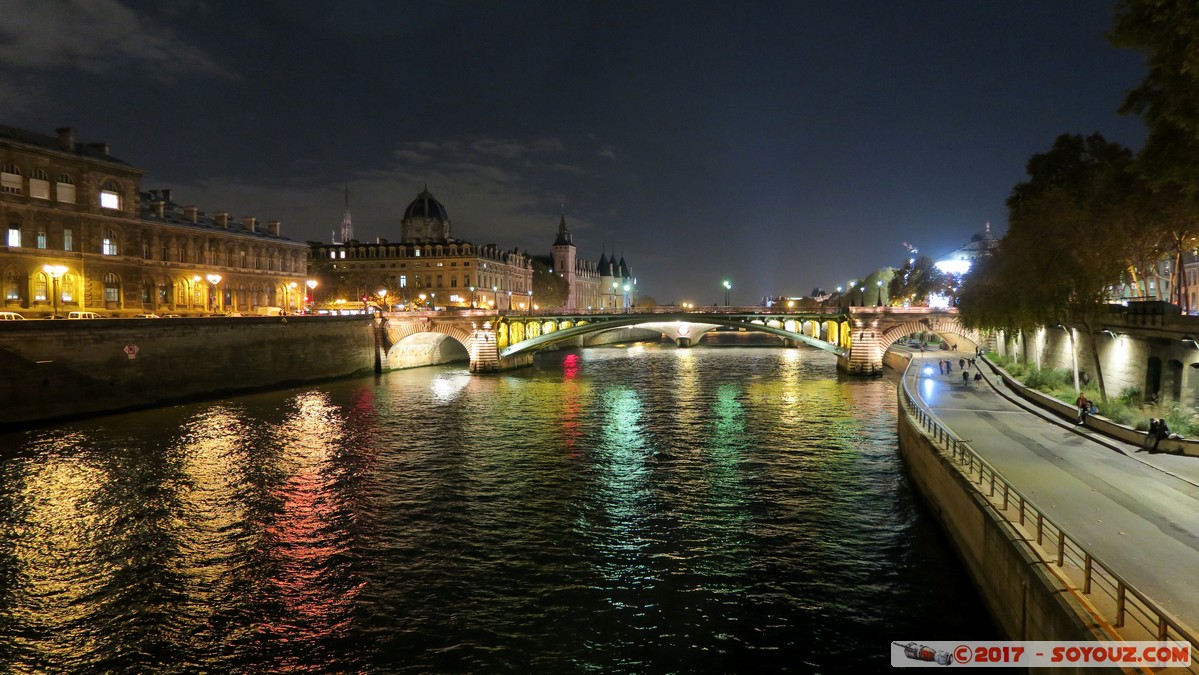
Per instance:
(426,206)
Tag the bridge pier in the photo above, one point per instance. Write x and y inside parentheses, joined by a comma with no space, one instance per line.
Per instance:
(682,342)
(485,357)
(790,342)
(865,357)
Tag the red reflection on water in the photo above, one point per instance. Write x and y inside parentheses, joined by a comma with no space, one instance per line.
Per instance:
(570,366)
(571,407)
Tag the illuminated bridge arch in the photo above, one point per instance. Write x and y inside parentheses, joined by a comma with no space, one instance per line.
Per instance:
(659,322)
(940,326)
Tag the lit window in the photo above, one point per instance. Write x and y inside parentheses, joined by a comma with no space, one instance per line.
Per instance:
(12,286)
(14,236)
(343,255)
(68,241)
(403,281)
(41,240)
(39,287)
(110,195)
(112,288)
(418,252)
(109,245)
(65,286)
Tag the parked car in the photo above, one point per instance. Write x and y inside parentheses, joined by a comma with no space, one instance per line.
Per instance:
(145,316)
(85,315)
(11,316)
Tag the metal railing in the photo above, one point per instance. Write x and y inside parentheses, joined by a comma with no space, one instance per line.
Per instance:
(1108,593)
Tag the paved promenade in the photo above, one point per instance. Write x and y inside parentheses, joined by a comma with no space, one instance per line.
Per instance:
(1136,510)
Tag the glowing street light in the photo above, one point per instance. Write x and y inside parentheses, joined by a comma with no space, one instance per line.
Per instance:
(213,280)
(311,284)
(530,302)
(422,299)
(291,290)
(880,292)
(55,272)
(728,285)
(472,297)
(382,293)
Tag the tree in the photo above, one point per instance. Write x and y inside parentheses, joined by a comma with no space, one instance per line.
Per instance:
(1167,33)
(1069,240)
(917,280)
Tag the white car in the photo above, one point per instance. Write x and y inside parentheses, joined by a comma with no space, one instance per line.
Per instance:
(85,315)
(145,316)
(11,316)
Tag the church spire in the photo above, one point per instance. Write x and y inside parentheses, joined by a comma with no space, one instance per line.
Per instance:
(347,226)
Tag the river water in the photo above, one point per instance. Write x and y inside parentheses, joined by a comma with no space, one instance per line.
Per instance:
(624,509)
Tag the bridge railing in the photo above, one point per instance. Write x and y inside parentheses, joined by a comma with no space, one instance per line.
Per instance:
(1136,615)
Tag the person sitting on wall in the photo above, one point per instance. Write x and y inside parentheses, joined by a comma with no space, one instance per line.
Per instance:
(1084,407)
(1151,434)
(1163,431)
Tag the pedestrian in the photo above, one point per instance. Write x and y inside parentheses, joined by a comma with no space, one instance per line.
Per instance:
(972,365)
(941,365)
(1151,434)
(1163,431)
(948,366)
(965,378)
(961,363)
(1084,407)
(978,377)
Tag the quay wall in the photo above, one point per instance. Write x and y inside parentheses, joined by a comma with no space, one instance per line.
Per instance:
(1026,601)
(52,370)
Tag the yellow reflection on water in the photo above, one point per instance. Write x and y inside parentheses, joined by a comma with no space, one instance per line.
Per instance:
(52,529)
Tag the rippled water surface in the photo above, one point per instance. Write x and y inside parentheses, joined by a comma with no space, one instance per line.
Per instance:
(621,509)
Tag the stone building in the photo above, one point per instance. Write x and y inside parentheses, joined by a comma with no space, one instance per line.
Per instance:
(426,268)
(81,235)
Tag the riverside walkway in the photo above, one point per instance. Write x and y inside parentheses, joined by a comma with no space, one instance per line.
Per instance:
(1137,511)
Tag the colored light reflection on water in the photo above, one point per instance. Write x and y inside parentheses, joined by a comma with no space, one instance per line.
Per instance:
(611,510)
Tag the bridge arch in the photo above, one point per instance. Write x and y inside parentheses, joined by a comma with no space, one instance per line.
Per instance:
(940,326)
(410,344)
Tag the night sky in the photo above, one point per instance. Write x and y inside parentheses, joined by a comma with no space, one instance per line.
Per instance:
(782,145)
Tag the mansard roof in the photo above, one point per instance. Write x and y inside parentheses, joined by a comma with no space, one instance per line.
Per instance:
(97,151)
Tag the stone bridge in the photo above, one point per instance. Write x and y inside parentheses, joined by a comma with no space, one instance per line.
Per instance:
(503,340)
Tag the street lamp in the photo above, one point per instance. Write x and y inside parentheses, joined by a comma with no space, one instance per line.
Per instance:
(422,300)
(382,292)
(530,302)
(728,285)
(880,292)
(213,279)
(55,272)
(850,294)
(472,297)
(495,299)
(626,298)
(291,290)
(433,300)
(311,284)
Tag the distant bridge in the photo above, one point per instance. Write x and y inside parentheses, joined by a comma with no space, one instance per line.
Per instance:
(502,340)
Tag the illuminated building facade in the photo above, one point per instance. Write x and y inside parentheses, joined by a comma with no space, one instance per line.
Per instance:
(427,268)
(81,235)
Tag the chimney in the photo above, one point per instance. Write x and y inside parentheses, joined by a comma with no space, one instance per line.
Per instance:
(101,147)
(191,213)
(250,222)
(273,227)
(166,195)
(159,207)
(222,219)
(66,138)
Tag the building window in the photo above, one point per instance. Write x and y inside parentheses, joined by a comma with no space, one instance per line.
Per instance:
(14,236)
(146,250)
(110,195)
(12,286)
(39,184)
(10,179)
(41,240)
(39,287)
(417,253)
(343,255)
(241,257)
(109,244)
(165,252)
(403,281)
(68,241)
(65,189)
(66,288)
(112,288)
(453,282)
